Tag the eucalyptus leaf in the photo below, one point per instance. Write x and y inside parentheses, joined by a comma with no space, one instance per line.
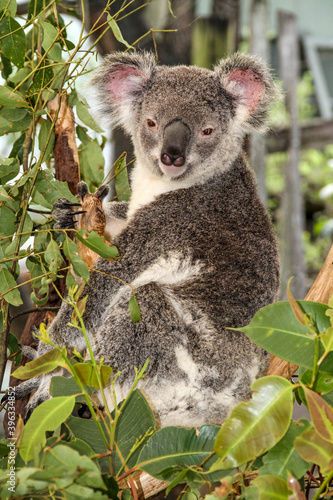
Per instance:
(7,283)
(13,42)
(43,142)
(283,458)
(96,243)
(321,414)
(50,35)
(46,417)
(314,449)
(256,426)
(91,163)
(11,99)
(271,487)
(276,329)
(43,364)
(134,309)
(84,115)
(116,31)
(122,186)
(9,168)
(10,6)
(79,266)
(87,375)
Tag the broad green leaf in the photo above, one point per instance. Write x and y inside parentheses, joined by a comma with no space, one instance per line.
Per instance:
(46,417)
(116,31)
(12,115)
(321,414)
(9,168)
(173,448)
(87,471)
(4,196)
(96,243)
(9,5)
(283,458)
(11,99)
(71,252)
(43,135)
(271,487)
(8,222)
(87,375)
(36,271)
(313,448)
(35,7)
(91,162)
(134,309)
(27,228)
(50,35)
(16,126)
(43,364)
(41,80)
(7,282)
(53,253)
(84,115)
(14,347)
(61,386)
(13,42)
(6,68)
(256,426)
(324,382)
(276,329)
(50,191)
(327,339)
(122,186)
(135,421)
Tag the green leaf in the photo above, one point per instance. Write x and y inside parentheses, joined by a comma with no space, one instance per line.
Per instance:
(13,346)
(283,458)
(35,7)
(46,417)
(313,448)
(27,228)
(122,186)
(256,426)
(43,364)
(61,386)
(10,6)
(87,375)
(4,196)
(116,31)
(6,67)
(276,329)
(9,168)
(17,126)
(11,99)
(271,487)
(7,282)
(324,382)
(50,34)
(134,309)
(50,191)
(8,222)
(84,115)
(321,414)
(12,115)
(172,448)
(71,252)
(13,42)
(43,135)
(41,80)
(96,243)
(91,163)
(53,253)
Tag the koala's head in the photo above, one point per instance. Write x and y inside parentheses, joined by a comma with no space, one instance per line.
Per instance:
(185,122)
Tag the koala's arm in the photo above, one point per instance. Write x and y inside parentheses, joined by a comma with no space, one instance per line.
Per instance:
(115,218)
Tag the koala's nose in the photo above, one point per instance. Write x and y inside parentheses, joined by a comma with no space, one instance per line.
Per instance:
(175,140)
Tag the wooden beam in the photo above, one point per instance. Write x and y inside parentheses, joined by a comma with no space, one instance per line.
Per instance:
(314,135)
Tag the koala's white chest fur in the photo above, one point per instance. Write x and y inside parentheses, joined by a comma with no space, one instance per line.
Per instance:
(146,187)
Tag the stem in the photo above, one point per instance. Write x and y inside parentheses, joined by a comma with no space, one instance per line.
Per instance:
(315,364)
(323,485)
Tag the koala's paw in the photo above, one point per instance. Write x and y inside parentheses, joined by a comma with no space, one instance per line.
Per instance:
(65,215)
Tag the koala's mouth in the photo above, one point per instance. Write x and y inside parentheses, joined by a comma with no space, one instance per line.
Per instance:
(172,171)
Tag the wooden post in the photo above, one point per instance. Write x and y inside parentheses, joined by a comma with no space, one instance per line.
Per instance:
(292,202)
(259,46)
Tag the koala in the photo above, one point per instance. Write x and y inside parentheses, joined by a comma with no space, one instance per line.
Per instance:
(197,244)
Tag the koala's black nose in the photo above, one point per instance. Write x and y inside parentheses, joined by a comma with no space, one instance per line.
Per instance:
(175,140)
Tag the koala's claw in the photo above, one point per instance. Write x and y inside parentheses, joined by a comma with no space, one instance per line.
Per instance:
(64,214)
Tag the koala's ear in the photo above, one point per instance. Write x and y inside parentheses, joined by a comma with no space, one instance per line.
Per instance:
(249,81)
(119,84)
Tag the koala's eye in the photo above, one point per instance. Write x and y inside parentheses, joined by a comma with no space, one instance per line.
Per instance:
(151,124)
(207,131)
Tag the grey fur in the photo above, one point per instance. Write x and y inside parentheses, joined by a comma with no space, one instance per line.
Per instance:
(197,243)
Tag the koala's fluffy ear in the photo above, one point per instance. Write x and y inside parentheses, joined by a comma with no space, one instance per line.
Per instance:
(119,85)
(249,81)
